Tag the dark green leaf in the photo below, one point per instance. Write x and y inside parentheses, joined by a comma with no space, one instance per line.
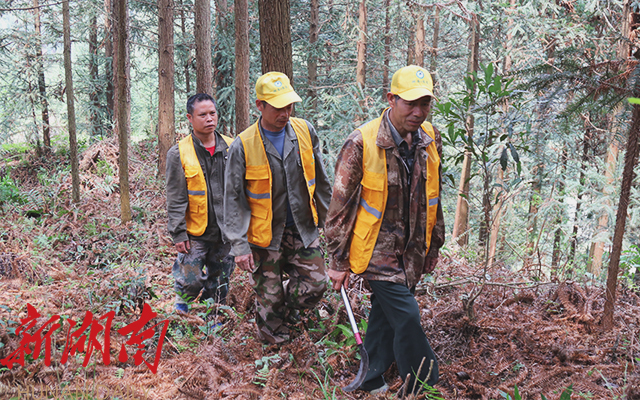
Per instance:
(514,153)
(504,159)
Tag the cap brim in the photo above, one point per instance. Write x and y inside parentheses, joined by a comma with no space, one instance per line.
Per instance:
(414,94)
(284,100)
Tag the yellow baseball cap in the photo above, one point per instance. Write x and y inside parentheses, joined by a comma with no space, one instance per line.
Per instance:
(411,83)
(275,88)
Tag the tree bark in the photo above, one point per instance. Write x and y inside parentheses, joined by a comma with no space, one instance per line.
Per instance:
(275,37)
(187,64)
(361,67)
(387,49)
(594,265)
(535,199)
(557,236)
(460,225)
(222,74)
(411,48)
(495,224)
(108,55)
(166,86)
(42,87)
(94,91)
(628,175)
(312,63)
(597,250)
(204,72)
(243,85)
(71,113)
(496,212)
(573,242)
(433,66)
(123,104)
(420,36)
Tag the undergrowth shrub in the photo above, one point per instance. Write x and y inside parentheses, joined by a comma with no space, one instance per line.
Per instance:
(9,191)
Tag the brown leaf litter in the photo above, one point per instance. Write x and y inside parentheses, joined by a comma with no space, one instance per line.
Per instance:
(67,259)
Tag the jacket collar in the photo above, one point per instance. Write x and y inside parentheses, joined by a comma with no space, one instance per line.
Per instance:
(289,138)
(385,138)
(220,143)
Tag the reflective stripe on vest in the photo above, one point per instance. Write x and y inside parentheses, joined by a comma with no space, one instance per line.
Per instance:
(373,198)
(259,180)
(196,214)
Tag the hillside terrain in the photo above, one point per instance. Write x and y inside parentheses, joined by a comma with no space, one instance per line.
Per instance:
(63,259)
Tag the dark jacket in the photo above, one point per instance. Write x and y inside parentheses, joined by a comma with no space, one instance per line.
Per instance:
(288,183)
(213,168)
(396,258)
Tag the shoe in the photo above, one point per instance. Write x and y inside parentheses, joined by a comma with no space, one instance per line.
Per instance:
(380,390)
(182,307)
(293,317)
(370,386)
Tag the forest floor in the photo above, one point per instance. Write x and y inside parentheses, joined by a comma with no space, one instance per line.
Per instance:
(64,259)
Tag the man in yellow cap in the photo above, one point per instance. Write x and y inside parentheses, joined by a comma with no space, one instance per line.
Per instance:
(276,197)
(385,223)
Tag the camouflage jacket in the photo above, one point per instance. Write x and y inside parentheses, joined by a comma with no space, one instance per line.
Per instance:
(396,258)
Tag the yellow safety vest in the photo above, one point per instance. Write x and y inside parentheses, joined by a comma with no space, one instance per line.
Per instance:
(259,180)
(196,214)
(373,198)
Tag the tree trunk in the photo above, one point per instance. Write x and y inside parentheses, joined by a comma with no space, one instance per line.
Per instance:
(535,199)
(557,237)
(460,225)
(496,212)
(222,74)
(312,63)
(495,224)
(361,67)
(628,175)
(94,91)
(387,50)
(585,158)
(485,221)
(243,85)
(166,87)
(595,263)
(204,72)
(123,103)
(275,37)
(420,36)
(411,48)
(433,65)
(108,55)
(42,87)
(187,64)
(71,113)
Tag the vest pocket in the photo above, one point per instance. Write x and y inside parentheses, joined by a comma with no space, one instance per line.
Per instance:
(197,198)
(258,193)
(363,225)
(258,190)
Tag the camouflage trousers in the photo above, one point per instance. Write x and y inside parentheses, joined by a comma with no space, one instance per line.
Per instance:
(302,287)
(207,268)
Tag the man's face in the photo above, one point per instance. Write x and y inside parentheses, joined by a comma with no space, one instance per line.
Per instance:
(407,116)
(204,118)
(274,119)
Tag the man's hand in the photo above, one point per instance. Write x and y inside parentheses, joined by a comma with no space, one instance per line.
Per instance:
(245,262)
(339,278)
(430,264)
(183,247)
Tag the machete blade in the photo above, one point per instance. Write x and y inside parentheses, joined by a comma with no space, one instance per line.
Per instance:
(362,371)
